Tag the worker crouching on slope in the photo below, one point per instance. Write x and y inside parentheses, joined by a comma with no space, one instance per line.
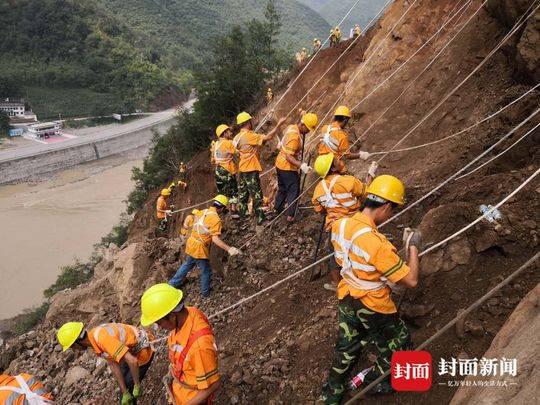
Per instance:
(126,348)
(205,231)
(192,347)
(289,161)
(369,263)
(162,209)
(335,140)
(223,152)
(23,389)
(336,196)
(248,144)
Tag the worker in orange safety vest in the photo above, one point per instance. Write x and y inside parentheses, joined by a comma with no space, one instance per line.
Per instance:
(335,140)
(193,376)
(248,143)
(163,210)
(370,266)
(222,158)
(337,196)
(206,229)
(127,349)
(23,389)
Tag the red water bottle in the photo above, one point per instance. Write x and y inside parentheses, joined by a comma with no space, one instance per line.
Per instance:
(358,379)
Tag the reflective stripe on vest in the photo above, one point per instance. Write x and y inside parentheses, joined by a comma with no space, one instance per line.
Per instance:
(31,397)
(331,200)
(245,149)
(348,265)
(331,142)
(200,226)
(221,156)
(283,141)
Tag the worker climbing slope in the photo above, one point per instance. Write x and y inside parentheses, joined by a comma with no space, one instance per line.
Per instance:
(223,153)
(205,231)
(248,144)
(336,196)
(163,210)
(335,140)
(357,31)
(316,45)
(126,348)
(193,371)
(289,162)
(23,389)
(369,265)
(335,36)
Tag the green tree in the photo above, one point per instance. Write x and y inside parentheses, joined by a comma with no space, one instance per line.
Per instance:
(4,124)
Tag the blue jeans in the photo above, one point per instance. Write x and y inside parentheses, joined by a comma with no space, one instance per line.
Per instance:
(187,266)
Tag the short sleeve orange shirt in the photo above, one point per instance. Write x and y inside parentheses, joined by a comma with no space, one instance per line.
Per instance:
(200,368)
(206,223)
(291,144)
(10,397)
(248,143)
(161,205)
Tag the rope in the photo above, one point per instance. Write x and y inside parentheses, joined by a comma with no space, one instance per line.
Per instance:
(449,179)
(379,45)
(461,131)
(417,77)
(304,69)
(297,273)
(456,319)
(498,155)
(456,88)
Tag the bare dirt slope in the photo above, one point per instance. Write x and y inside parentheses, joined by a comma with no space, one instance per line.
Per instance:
(277,347)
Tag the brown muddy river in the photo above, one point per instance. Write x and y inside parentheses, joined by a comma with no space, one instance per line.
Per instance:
(48,224)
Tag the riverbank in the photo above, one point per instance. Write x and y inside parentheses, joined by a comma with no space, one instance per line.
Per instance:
(49,223)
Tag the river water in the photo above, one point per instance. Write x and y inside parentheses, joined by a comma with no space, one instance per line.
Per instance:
(48,224)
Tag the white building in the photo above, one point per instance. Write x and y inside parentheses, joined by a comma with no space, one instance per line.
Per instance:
(12,108)
(44,130)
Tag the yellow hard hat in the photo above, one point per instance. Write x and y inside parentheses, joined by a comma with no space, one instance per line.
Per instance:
(172,185)
(323,163)
(220,129)
(389,188)
(223,200)
(165,192)
(343,111)
(68,334)
(158,301)
(242,118)
(310,120)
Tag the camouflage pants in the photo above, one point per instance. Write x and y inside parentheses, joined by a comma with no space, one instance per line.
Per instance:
(250,185)
(226,184)
(359,326)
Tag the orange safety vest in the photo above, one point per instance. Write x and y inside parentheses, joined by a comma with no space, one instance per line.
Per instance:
(221,157)
(330,141)
(247,152)
(29,391)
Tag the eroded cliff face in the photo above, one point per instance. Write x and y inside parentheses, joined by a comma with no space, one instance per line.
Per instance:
(278,347)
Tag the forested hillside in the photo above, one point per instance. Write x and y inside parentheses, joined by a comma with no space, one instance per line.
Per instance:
(186,27)
(334,10)
(75,45)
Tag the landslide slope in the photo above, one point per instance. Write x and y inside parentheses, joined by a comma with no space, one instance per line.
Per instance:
(277,347)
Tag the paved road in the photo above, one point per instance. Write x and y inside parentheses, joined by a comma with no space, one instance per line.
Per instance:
(93,135)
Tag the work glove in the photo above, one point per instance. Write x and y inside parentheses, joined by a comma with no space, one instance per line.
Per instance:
(364,155)
(305,168)
(234,251)
(412,237)
(168,212)
(137,391)
(372,171)
(127,398)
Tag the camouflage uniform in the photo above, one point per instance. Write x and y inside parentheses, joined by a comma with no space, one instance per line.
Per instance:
(250,184)
(226,184)
(359,326)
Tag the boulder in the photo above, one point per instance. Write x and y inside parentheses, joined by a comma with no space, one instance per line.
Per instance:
(515,340)
(460,251)
(76,374)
